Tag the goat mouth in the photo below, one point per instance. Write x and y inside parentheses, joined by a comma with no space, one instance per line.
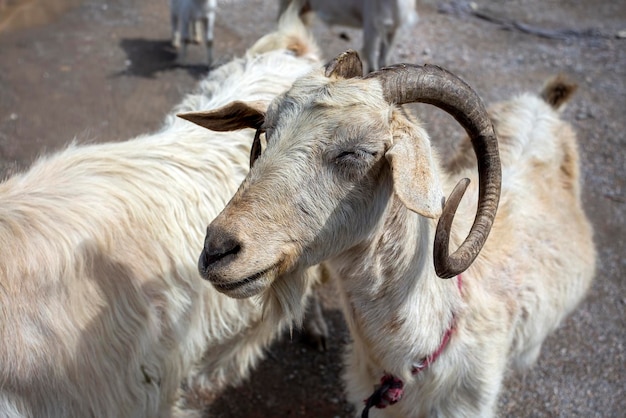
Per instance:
(249,286)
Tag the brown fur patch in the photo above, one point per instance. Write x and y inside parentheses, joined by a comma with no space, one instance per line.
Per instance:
(558,91)
(297,46)
(396,323)
(570,165)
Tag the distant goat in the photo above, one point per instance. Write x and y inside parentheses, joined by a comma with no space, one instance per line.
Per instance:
(102,310)
(354,183)
(193,21)
(381,20)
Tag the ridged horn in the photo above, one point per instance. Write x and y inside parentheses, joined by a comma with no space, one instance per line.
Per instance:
(430,84)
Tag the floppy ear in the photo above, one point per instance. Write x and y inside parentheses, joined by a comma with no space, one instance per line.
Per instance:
(231,117)
(415,179)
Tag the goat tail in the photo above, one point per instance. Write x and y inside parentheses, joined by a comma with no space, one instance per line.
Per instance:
(558,90)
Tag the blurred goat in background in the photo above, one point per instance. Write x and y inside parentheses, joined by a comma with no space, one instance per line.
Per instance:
(381,20)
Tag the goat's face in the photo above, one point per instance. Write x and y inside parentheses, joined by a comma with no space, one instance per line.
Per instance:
(318,186)
(335,152)
(309,195)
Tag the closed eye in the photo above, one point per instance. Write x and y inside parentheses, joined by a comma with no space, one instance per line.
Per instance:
(357,154)
(355,163)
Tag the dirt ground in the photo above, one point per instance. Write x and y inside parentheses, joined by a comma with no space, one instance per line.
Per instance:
(103,71)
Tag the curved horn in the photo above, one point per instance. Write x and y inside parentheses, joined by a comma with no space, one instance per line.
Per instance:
(433,85)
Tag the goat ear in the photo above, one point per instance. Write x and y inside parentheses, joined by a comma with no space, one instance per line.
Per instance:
(345,65)
(415,178)
(231,117)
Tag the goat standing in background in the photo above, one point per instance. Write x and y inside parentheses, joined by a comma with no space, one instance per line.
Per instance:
(356,185)
(193,21)
(102,309)
(381,20)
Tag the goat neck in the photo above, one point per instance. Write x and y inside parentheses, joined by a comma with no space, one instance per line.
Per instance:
(395,305)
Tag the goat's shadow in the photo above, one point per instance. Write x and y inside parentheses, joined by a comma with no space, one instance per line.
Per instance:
(148,57)
(295,379)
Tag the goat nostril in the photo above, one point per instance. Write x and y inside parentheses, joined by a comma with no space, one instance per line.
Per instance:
(213,254)
(212,257)
(218,245)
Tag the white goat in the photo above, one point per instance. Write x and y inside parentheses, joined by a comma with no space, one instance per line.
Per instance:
(193,21)
(102,310)
(381,20)
(355,183)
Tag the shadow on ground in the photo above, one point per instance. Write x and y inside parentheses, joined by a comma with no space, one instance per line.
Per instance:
(149,57)
(281,387)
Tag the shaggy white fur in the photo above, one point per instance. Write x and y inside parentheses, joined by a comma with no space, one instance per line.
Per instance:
(102,310)
(358,184)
